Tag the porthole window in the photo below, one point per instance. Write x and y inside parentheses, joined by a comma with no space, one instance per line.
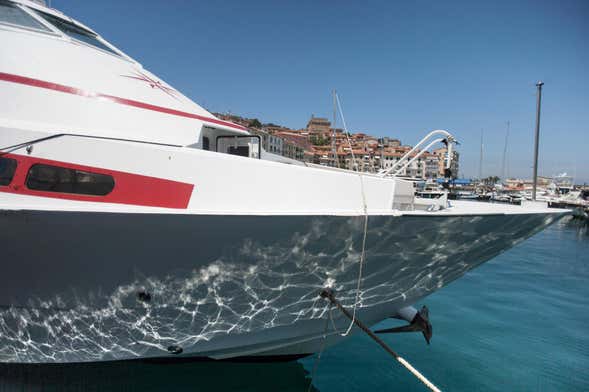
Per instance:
(50,178)
(7,169)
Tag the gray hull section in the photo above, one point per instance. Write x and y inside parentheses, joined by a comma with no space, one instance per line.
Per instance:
(79,286)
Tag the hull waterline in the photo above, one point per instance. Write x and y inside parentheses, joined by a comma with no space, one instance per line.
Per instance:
(136,224)
(105,286)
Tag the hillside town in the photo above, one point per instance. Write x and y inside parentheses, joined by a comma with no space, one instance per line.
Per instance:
(319,143)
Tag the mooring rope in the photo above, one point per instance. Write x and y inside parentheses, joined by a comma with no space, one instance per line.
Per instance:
(328,293)
(318,358)
(365,210)
(360,271)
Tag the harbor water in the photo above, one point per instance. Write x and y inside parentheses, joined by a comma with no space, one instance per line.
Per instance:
(517,323)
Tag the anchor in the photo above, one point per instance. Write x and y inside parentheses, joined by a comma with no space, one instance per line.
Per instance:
(418,322)
(404,312)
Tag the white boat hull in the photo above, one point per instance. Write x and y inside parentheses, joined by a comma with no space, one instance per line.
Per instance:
(136,224)
(92,286)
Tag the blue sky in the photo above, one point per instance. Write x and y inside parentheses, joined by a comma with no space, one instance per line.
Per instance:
(401,68)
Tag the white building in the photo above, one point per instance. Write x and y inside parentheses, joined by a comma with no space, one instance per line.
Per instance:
(270,143)
(274,144)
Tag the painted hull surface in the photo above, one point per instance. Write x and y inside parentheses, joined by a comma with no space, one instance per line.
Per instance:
(90,286)
(195,250)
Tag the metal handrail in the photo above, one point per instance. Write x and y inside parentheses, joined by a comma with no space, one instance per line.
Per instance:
(447,136)
(14,147)
(439,140)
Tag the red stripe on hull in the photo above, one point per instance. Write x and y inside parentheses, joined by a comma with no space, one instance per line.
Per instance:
(122,101)
(134,189)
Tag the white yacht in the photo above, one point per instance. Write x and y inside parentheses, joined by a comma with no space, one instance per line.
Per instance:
(135,224)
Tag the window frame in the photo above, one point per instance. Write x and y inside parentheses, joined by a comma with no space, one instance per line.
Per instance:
(48,29)
(33,10)
(52,31)
(30,168)
(13,172)
(39,14)
(206,143)
(239,137)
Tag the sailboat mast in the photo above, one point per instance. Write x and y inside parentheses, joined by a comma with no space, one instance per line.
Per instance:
(333,141)
(503,165)
(481,158)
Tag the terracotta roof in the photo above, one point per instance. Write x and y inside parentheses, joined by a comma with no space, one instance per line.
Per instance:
(296,138)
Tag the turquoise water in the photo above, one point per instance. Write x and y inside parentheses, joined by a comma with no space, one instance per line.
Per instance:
(519,322)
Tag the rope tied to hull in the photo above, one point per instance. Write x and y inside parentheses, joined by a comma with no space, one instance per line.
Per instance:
(328,294)
(360,272)
(365,213)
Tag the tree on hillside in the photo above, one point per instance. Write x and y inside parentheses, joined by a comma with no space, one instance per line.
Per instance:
(319,140)
(255,123)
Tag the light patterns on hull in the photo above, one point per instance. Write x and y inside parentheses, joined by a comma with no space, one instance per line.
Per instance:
(258,293)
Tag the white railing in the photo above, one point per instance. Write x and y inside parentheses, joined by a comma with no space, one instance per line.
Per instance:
(405,161)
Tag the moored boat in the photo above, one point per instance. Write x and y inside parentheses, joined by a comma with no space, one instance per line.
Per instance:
(138,225)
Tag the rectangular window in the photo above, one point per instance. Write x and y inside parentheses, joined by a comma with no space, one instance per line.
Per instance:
(205,143)
(7,169)
(11,14)
(243,151)
(243,145)
(74,31)
(60,179)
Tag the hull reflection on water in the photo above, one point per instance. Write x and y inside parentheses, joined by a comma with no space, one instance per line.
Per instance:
(149,376)
(222,286)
